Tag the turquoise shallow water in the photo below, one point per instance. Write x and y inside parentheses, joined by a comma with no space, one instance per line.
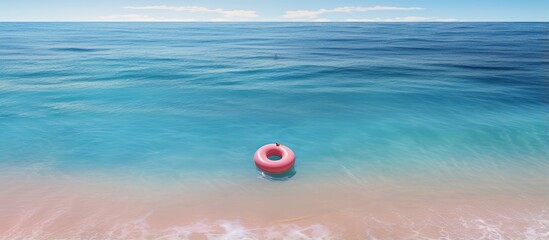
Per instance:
(176,100)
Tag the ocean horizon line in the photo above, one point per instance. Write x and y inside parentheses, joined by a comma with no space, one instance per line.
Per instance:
(221,22)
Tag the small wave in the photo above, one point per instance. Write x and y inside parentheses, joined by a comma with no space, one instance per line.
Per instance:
(479,67)
(222,229)
(73,49)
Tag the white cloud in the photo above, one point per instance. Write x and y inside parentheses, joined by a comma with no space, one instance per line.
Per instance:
(315,14)
(322,20)
(198,9)
(403,19)
(141,18)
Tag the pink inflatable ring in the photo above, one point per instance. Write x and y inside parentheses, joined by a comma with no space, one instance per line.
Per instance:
(286,162)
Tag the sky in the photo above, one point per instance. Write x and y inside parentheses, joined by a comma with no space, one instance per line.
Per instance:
(275,10)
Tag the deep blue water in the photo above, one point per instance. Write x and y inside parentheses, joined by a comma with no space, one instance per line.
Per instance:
(176,100)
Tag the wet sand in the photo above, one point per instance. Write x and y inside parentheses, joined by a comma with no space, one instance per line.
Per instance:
(78,208)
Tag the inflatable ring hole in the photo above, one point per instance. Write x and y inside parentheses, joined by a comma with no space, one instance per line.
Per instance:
(274,155)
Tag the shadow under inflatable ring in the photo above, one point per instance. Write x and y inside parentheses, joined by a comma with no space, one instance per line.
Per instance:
(286,162)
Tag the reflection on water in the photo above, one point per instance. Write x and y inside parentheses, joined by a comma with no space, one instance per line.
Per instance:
(277,177)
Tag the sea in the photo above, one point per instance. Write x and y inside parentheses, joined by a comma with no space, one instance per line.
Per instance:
(148,130)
